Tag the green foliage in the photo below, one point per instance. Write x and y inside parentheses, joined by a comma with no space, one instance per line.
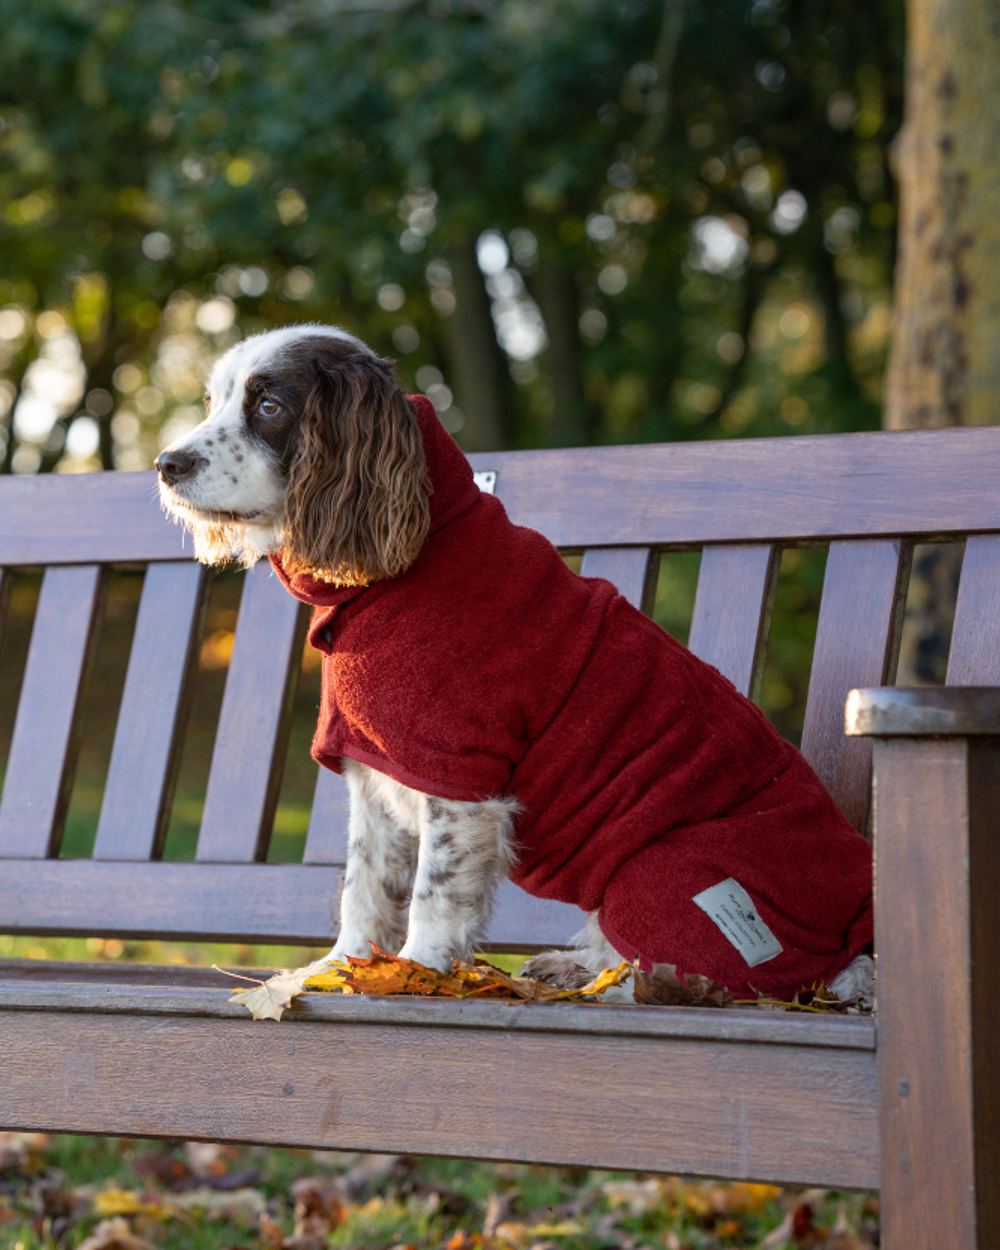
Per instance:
(694,198)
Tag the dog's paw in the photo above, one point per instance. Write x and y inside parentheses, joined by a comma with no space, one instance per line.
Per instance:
(856,984)
(560,968)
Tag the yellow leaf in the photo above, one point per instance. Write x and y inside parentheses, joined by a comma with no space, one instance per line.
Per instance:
(126,1202)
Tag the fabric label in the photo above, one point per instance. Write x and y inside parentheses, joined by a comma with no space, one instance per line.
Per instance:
(733,910)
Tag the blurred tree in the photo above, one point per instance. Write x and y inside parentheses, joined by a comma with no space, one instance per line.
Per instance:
(945,366)
(571,221)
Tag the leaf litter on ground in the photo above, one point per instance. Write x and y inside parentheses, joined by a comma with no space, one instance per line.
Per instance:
(60,1192)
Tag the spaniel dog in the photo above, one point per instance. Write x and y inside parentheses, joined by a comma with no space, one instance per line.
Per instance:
(493,713)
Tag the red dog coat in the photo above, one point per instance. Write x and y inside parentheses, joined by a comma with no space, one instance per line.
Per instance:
(651,789)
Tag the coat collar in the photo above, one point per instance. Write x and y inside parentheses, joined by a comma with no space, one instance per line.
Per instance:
(453,490)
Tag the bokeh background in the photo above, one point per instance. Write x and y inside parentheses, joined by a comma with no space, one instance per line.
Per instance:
(569,222)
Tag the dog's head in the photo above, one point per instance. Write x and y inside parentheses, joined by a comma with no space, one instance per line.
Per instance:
(310,450)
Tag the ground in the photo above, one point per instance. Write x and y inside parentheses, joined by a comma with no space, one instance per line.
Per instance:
(60,1192)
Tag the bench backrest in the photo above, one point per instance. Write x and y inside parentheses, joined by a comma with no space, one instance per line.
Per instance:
(871,497)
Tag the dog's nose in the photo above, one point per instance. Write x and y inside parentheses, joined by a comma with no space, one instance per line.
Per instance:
(172,466)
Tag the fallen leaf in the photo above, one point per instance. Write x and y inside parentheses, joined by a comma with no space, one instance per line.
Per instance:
(21,1151)
(319,1208)
(666,986)
(383,974)
(387,974)
(242,1206)
(269,999)
(126,1202)
(115,1234)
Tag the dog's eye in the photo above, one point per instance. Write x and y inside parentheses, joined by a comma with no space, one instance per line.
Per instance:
(268,407)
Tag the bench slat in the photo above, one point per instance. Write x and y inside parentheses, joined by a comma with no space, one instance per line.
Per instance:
(632,570)
(326,841)
(221,903)
(43,749)
(740,490)
(975,639)
(499,1093)
(157,687)
(857,636)
(732,610)
(253,723)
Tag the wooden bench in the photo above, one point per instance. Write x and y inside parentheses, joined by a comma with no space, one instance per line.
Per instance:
(908,1102)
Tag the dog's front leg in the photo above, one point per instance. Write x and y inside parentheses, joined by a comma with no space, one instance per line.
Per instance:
(464,849)
(381,858)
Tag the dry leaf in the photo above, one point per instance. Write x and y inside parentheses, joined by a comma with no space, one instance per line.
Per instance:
(242,1206)
(664,985)
(115,1234)
(386,974)
(126,1202)
(383,974)
(269,999)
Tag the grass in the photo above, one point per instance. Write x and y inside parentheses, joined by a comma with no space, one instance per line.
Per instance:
(251,1198)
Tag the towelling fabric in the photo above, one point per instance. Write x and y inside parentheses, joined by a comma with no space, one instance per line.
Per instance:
(651,789)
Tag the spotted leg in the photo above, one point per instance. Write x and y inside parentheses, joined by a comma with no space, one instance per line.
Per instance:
(464,849)
(381,858)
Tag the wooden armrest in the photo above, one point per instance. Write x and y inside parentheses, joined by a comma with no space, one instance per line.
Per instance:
(930,711)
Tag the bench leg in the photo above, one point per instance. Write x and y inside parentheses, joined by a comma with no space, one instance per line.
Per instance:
(937,916)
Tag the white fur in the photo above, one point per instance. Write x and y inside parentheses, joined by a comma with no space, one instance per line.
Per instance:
(239,474)
(419,867)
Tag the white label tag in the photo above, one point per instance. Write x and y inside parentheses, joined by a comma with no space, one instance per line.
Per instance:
(486,480)
(733,910)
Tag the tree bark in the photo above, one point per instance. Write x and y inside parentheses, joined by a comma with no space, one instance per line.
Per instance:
(553,289)
(477,367)
(945,367)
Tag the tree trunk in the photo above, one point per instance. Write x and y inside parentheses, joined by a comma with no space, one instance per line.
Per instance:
(553,289)
(945,366)
(16,370)
(477,368)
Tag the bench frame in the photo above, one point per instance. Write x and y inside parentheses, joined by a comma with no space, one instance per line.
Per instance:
(906,1101)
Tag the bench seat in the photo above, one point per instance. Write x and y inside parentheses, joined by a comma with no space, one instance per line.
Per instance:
(159,1052)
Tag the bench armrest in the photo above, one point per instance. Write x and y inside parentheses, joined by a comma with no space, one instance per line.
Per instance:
(936,782)
(930,711)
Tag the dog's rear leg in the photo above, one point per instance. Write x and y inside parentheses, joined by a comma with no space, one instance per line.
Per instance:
(464,849)
(589,953)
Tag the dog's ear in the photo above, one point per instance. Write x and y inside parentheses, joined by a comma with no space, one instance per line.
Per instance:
(356,506)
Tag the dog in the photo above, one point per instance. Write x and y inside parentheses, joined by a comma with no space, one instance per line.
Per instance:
(493,713)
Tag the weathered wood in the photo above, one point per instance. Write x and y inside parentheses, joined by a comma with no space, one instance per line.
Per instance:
(39,769)
(937,933)
(326,840)
(755,490)
(151,989)
(732,610)
(146,750)
(858,631)
(933,711)
(502,1094)
(212,902)
(929,482)
(221,902)
(975,641)
(632,570)
(5,582)
(253,725)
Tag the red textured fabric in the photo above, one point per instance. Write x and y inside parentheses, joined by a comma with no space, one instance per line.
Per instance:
(489,669)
